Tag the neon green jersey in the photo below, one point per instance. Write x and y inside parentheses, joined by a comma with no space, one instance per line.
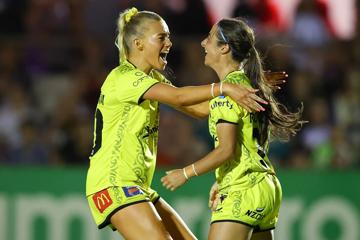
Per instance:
(125,131)
(250,163)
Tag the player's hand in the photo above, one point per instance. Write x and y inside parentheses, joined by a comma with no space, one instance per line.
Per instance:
(274,79)
(173,179)
(244,96)
(214,196)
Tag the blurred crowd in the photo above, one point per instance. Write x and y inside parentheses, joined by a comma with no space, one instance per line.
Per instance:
(55,54)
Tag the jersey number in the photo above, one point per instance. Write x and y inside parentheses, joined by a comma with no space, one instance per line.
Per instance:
(98,132)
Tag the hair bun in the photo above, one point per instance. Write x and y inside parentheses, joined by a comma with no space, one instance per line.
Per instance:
(130,14)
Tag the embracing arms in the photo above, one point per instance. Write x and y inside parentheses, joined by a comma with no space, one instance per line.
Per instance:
(188,99)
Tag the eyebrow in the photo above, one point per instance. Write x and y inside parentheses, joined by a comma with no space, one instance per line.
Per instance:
(163,34)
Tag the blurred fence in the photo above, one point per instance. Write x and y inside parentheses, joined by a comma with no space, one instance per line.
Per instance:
(49,203)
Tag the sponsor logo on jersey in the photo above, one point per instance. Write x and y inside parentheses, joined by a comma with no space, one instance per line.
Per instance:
(102,200)
(255,214)
(215,138)
(222,197)
(260,209)
(226,103)
(150,131)
(139,80)
(132,191)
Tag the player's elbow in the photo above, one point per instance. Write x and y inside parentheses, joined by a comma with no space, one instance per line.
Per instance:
(227,152)
(180,100)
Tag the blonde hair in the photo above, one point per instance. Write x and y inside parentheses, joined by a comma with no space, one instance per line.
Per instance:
(130,25)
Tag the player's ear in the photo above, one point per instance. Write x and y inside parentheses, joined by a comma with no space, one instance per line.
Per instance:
(225,48)
(138,44)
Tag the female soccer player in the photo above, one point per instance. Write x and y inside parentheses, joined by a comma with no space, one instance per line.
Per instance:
(249,191)
(123,157)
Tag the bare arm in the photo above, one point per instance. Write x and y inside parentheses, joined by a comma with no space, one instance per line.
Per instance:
(179,97)
(224,151)
(200,110)
(192,95)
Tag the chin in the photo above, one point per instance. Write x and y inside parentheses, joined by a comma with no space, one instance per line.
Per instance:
(162,67)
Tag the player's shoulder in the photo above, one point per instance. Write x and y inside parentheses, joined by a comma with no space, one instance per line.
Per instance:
(160,77)
(237,77)
(127,71)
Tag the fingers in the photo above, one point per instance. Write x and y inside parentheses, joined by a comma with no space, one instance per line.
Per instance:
(251,103)
(257,107)
(173,179)
(250,89)
(167,184)
(275,78)
(215,203)
(275,75)
(212,197)
(251,94)
(258,99)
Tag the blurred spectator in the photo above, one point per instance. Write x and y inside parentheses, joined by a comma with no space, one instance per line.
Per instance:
(179,144)
(309,27)
(15,109)
(31,150)
(12,16)
(319,129)
(333,152)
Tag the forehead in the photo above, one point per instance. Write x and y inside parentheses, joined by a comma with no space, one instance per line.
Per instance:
(156,27)
(213,30)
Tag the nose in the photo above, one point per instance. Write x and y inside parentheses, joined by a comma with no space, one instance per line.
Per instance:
(203,42)
(168,43)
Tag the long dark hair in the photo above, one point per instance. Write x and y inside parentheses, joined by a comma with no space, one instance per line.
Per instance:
(276,118)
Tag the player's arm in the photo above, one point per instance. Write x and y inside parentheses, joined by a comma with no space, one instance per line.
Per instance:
(200,110)
(191,95)
(227,133)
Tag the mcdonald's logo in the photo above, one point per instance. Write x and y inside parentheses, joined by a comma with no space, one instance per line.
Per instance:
(102,200)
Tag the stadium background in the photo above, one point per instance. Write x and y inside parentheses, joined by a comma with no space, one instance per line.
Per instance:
(54,55)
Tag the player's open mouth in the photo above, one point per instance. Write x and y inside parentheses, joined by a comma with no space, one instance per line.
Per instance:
(163,56)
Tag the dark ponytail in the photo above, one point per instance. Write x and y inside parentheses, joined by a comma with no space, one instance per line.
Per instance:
(276,117)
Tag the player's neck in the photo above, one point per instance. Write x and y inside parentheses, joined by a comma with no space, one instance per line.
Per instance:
(225,68)
(140,64)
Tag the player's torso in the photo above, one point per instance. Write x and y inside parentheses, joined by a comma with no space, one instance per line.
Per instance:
(125,135)
(246,167)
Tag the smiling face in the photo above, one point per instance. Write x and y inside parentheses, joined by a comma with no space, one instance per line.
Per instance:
(211,47)
(155,44)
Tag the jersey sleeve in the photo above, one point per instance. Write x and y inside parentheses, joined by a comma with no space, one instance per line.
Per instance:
(133,86)
(161,78)
(225,109)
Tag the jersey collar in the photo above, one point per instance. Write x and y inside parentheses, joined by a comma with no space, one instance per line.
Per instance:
(236,72)
(128,64)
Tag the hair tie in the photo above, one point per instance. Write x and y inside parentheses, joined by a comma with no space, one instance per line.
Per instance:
(130,14)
